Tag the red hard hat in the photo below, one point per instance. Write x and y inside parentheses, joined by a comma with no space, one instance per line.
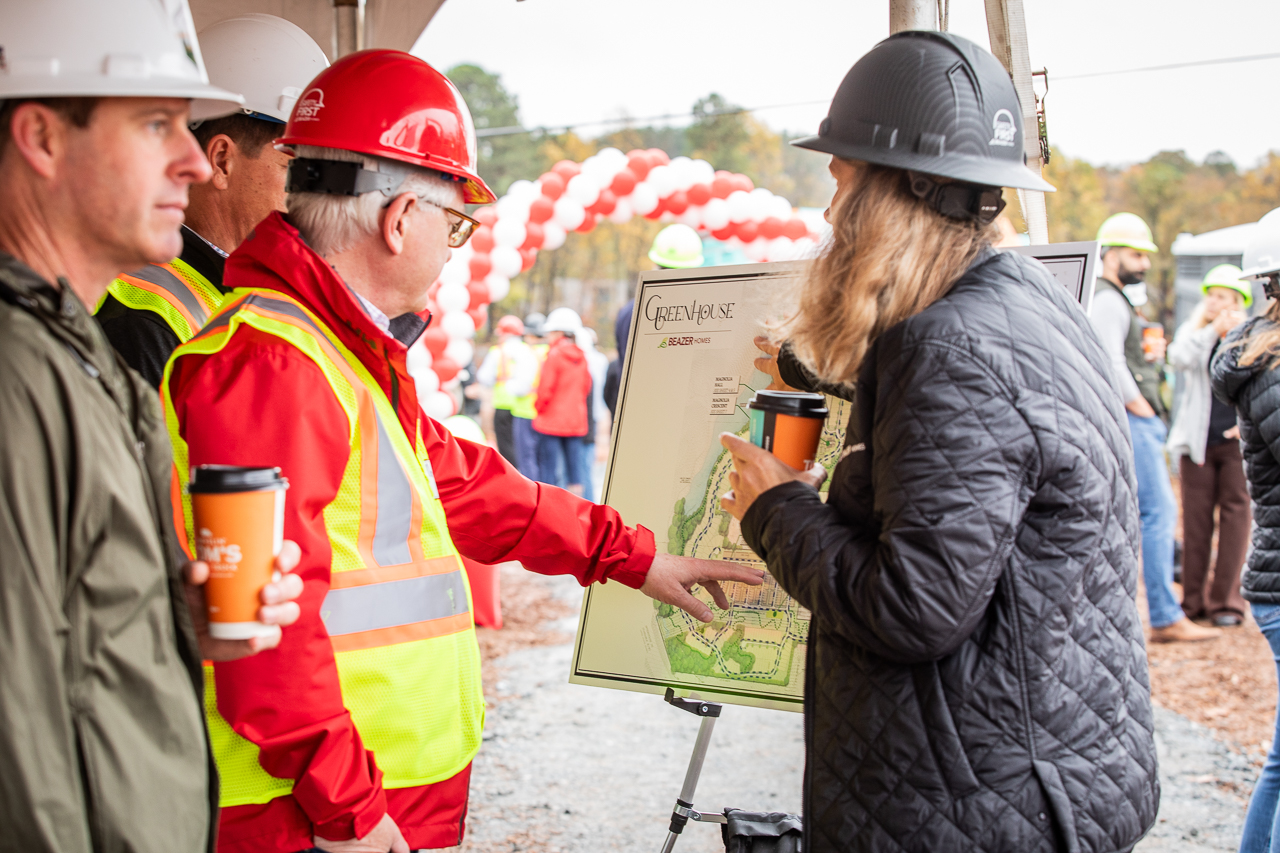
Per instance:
(388,103)
(510,325)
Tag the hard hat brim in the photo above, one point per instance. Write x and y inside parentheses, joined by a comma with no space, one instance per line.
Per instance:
(1136,245)
(973,170)
(99,86)
(675,265)
(1246,294)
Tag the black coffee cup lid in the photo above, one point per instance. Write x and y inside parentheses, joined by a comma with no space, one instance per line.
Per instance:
(801,404)
(214,479)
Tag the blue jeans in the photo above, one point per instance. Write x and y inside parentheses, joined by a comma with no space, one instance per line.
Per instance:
(526,446)
(560,460)
(588,464)
(1261,823)
(1159,517)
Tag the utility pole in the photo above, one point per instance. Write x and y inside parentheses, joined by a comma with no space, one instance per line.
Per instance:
(912,15)
(1007,27)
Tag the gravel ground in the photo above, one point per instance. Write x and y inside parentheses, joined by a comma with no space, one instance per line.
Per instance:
(584,769)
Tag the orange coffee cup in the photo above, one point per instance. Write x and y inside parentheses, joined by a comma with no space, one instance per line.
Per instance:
(788,424)
(239,521)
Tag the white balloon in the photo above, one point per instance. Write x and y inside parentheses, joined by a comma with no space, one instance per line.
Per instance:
(553,235)
(806,247)
(458,324)
(524,190)
(462,254)
(686,174)
(622,212)
(644,198)
(756,250)
(570,213)
(506,261)
(453,297)
(583,189)
(438,405)
(781,249)
(662,179)
(456,271)
(692,216)
(715,214)
(513,207)
(499,286)
(705,171)
(761,202)
(611,155)
(780,207)
(427,383)
(508,232)
(417,359)
(739,207)
(460,352)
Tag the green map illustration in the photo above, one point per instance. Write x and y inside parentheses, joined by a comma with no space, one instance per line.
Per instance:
(761,638)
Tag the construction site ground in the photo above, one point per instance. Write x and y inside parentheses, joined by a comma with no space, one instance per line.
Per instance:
(584,769)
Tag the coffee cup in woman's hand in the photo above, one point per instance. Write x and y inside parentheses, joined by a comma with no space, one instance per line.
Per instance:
(756,471)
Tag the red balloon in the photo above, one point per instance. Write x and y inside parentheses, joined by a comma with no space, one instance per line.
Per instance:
(746,231)
(566,169)
(486,215)
(434,338)
(743,183)
(534,235)
(678,202)
(658,157)
(724,233)
(771,227)
(482,240)
(528,257)
(479,294)
(444,367)
(699,193)
(639,163)
(479,316)
(481,266)
(588,223)
(623,183)
(723,186)
(794,228)
(540,210)
(605,203)
(657,211)
(552,185)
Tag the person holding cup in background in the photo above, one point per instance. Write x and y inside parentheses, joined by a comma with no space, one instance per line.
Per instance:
(975,674)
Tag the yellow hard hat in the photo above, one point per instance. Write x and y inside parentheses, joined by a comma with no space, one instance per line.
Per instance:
(1229,276)
(677,247)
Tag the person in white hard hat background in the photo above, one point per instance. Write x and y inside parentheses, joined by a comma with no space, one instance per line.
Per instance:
(1244,374)
(1137,358)
(1205,439)
(563,403)
(150,311)
(102,740)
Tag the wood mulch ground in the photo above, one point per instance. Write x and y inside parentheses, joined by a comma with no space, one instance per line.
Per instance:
(527,607)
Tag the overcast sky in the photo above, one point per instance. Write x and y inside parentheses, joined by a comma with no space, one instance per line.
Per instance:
(571,61)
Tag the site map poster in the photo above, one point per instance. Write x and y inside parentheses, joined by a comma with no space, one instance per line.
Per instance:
(688,377)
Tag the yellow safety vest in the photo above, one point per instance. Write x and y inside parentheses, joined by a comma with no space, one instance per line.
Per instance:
(504,399)
(398,610)
(524,406)
(182,297)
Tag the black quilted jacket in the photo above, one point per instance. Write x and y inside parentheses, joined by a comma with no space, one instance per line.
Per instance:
(1255,392)
(976,677)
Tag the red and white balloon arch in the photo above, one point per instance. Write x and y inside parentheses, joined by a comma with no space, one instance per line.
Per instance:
(538,215)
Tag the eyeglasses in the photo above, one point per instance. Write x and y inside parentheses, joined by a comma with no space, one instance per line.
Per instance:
(460,229)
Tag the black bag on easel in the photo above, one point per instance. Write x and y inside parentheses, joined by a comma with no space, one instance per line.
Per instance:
(761,832)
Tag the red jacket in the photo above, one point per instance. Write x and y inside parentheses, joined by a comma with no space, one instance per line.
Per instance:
(563,391)
(260,401)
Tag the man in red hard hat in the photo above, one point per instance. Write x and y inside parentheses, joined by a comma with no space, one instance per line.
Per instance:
(359,735)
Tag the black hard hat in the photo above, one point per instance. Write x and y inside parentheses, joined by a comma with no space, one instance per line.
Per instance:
(533,324)
(933,103)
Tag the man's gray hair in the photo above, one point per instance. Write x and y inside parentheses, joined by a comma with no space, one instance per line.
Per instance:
(335,223)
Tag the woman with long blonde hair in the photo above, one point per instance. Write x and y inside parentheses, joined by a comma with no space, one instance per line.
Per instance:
(975,675)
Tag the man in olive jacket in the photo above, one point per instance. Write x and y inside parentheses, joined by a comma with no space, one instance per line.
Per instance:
(102,739)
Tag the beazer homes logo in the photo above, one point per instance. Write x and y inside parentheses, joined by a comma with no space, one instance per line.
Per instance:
(309,106)
(681,341)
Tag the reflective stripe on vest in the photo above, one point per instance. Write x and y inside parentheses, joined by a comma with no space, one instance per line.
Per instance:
(175,292)
(398,609)
(525,407)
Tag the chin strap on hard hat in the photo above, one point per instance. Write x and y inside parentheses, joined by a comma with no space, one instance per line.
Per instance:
(968,202)
(339,177)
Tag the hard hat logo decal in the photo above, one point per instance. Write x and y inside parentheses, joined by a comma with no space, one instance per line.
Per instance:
(1004,130)
(309,106)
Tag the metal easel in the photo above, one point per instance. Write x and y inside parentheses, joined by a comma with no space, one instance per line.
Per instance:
(684,811)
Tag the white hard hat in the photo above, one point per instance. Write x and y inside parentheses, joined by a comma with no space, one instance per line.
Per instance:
(1262,257)
(102,48)
(677,247)
(267,59)
(563,320)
